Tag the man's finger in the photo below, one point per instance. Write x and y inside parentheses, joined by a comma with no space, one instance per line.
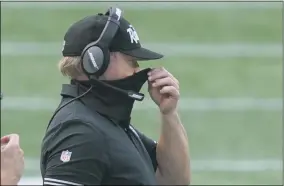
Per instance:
(154,70)
(171,90)
(160,73)
(5,140)
(14,139)
(167,81)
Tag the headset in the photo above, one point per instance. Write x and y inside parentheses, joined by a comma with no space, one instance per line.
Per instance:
(96,55)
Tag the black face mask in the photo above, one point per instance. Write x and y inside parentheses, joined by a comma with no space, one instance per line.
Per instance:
(112,102)
(131,83)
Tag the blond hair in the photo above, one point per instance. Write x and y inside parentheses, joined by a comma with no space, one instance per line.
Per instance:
(70,66)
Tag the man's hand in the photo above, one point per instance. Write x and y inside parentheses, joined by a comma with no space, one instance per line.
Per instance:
(164,90)
(172,148)
(12,160)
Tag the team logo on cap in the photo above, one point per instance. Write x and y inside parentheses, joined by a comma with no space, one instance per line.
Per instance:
(132,34)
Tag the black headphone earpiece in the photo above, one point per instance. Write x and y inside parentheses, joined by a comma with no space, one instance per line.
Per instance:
(95,60)
(96,55)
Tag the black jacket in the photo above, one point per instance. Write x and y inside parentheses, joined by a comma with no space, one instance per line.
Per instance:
(85,145)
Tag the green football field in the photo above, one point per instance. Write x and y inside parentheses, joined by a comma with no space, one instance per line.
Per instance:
(228,61)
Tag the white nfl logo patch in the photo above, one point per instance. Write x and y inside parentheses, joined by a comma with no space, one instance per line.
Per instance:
(65,156)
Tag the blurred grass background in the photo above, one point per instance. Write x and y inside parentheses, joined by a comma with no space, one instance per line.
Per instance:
(31,38)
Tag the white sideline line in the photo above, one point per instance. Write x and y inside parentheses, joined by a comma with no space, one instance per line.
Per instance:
(211,165)
(213,50)
(194,104)
(146,5)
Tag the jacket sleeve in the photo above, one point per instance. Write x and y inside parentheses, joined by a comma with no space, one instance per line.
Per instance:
(150,146)
(75,156)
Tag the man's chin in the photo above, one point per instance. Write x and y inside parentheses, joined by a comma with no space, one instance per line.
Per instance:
(137,69)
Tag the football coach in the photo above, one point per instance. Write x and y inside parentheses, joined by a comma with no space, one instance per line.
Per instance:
(90,139)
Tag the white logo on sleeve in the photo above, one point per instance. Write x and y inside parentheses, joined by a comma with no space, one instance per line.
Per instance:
(132,34)
(65,156)
(93,60)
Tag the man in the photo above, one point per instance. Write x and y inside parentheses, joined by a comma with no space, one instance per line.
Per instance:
(12,160)
(90,140)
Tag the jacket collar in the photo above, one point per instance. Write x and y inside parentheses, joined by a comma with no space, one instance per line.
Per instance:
(119,114)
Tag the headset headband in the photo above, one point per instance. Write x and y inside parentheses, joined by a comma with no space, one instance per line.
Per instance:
(109,31)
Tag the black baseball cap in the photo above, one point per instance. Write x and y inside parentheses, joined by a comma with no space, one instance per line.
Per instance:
(88,29)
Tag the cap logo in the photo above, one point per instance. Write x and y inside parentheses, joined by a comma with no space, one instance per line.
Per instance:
(132,34)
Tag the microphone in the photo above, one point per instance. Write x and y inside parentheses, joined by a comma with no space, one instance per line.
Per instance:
(134,95)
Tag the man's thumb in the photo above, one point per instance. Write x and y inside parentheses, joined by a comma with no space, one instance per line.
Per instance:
(14,139)
(5,140)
